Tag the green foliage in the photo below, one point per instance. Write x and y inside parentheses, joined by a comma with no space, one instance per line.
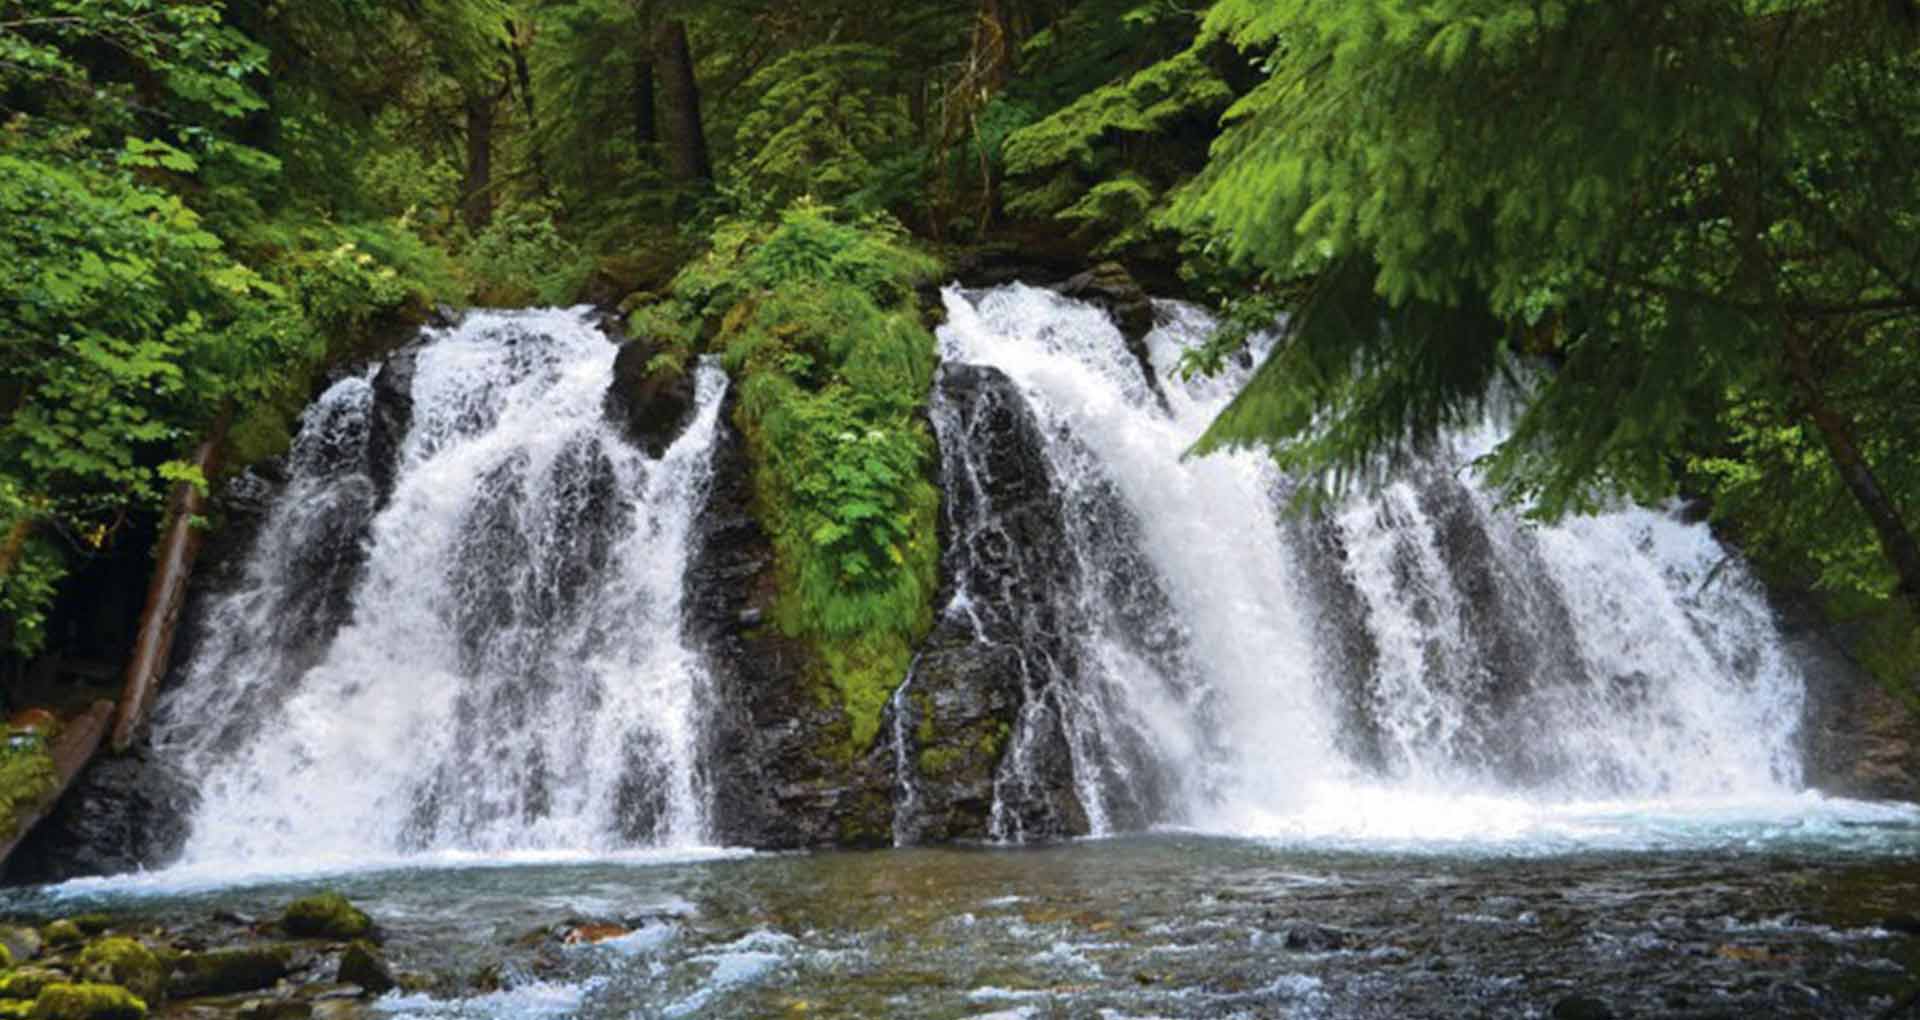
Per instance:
(1662,201)
(824,120)
(816,320)
(522,259)
(1106,159)
(27,782)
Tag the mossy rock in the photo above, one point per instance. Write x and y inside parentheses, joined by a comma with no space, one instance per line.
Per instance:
(61,934)
(6,957)
(25,984)
(229,971)
(15,1009)
(87,1001)
(363,965)
(92,924)
(22,943)
(127,963)
(326,916)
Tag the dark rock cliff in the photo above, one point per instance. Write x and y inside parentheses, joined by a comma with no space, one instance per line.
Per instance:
(776,764)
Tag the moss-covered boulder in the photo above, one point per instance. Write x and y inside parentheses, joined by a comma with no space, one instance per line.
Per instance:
(21,943)
(363,965)
(87,1001)
(6,957)
(25,984)
(62,934)
(127,963)
(326,916)
(229,971)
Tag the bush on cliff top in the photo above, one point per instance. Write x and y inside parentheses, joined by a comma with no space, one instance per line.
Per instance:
(816,321)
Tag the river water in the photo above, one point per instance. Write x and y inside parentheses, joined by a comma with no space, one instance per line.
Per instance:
(1802,915)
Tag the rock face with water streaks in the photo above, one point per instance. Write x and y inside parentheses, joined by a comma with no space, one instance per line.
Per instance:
(975,679)
(776,765)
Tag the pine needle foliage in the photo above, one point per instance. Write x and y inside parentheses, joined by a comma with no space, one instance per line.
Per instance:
(818,325)
(1474,184)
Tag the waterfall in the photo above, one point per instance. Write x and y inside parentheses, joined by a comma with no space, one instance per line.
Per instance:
(492,661)
(1387,665)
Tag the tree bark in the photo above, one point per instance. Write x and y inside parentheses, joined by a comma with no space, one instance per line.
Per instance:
(166,595)
(646,127)
(1897,541)
(523,75)
(687,158)
(477,189)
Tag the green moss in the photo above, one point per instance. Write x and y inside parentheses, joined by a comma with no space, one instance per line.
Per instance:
(817,321)
(27,782)
(15,1009)
(25,984)
(125,962)
(326,916)
(229,971)
(92,924)
(87,1002)
(938,761)
(63,933)
(6,958)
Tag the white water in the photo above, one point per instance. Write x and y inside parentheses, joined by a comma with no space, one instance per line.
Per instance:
(512,677)
(1603,676)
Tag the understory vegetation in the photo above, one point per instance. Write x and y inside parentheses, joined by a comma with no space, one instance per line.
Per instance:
(1679,239)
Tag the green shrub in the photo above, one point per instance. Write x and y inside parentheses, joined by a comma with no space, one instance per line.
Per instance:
(816,320)
(521,258)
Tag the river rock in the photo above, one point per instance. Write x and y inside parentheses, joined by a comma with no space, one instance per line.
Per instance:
(326,916)
(229,971)
(21,943)
(86,1001)
(127,963)
(1114,290)
(1581,1007)
(363,965)
(653,401)
(122,814)
(392,416)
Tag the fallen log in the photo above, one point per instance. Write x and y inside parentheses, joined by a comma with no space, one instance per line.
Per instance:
(166,595)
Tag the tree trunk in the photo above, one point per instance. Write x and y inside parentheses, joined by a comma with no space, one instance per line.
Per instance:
(477,189)
(687,157)
(1897,541)
(646,128)
(523,74)
(166,595)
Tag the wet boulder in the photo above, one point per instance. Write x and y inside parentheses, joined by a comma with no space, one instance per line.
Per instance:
(21,943)
(326,916)
(87,1001)
(127,963)
(392,417)
(123,814)
(229,971)
(1111,288)
(363,965)
(651,396)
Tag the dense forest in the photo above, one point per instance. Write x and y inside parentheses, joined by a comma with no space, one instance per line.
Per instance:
(1680,241)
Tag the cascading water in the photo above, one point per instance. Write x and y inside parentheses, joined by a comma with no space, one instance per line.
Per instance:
(1417,662)
(512,675)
